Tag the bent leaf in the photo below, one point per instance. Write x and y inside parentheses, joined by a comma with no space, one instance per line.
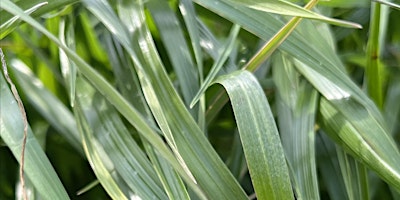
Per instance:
(259,135)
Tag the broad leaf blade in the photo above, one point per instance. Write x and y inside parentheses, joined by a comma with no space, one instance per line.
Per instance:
(259,135)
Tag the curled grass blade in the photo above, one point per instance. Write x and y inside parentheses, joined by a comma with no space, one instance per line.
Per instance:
(259,135)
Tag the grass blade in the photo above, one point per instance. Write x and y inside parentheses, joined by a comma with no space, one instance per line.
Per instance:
(348,124)
(227,49)
(57,114)
(286,8)
(168,109)
(177,49)
(259,135)
(112,95)
(37,166)
(296,110)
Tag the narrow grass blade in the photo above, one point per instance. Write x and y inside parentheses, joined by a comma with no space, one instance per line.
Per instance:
(227,49)
(353,127)
(178,51)
(375,71)
(129,86)
(168,109)
(354,176)
(57,114)
(296,111)
(68,67)
(283,7)
(259,135)
(110,93)
(37,166)
(328,166)
(8,26)
(393,5)
(188,12)
(45,7)
(189,16)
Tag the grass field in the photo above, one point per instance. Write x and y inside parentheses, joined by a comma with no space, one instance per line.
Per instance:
(202,99)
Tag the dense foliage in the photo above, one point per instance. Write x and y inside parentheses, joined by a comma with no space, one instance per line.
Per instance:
(202,99)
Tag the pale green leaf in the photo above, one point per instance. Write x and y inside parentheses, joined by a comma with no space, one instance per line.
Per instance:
(110,93)
(296,110)
(37,166)
(171,115)
(259,135)
(57,114)
(8,26)
(283,7)
(227,49)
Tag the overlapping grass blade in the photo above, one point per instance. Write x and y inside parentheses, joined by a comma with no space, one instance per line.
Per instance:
(259,135)
(37,166)
(189,16)
(167,107)
(353,127)
(110,93)
(393,5)
(178,51)
(68,67)
(296,111)
(283,7)
(354,176)
(57,114)
(45,7)
(95,153)
(128,159)
(129,86)
(328,165)
(8,26)
(217,66)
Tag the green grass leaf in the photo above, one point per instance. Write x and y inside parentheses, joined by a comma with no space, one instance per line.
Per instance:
(286,8)
(259,135)
(296,111)
(112,96)
(57,114)
(37,166)
(358,132)
(182,132)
